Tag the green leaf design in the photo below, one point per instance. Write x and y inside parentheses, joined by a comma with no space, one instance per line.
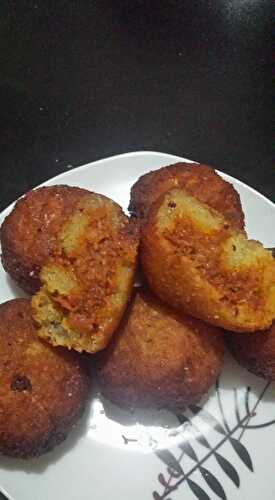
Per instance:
(197,490)
(208,418)
(213,482)
(168,458)
(228,468)
(242,453)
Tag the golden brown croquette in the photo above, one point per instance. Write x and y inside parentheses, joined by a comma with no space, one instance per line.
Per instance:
(196,261)
(201,181)
(43,390)
(255,352)
(29,232)
(159,358)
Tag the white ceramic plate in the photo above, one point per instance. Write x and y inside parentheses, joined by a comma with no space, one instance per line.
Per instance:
(226,450)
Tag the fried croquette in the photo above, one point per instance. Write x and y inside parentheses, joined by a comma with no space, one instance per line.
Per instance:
(158,358)
(43,390)
(255,352)
(201,181)
(29,232)
(196,261)
(89,277)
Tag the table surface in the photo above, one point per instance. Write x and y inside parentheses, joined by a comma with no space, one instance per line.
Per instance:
(83,82)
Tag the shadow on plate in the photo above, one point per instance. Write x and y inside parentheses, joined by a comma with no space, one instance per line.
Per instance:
(15,289)
(132,416)
(238,377)
(233,380)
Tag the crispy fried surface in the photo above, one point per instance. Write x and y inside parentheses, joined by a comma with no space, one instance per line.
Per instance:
(43,390)
(200,181)
(89,277)
(158,358)
(29,232)
(195,260)
(255,352)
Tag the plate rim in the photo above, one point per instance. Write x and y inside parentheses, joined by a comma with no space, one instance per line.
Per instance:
(129,155)
(101,161)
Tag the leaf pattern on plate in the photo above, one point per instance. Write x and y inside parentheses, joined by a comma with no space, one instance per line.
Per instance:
(197,490)
(228,468)
(168,458)
(213,482)
(242,453)
(208,418)
(188,447)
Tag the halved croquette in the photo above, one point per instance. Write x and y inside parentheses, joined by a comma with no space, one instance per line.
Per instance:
(88,279)
(201,181)
(29,233)
(195,260)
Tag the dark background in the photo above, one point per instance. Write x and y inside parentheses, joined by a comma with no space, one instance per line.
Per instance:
(82,80)
(85,80)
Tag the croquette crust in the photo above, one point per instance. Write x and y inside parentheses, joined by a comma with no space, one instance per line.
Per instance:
(88,279)
(43,390)
(158,358)
(199,180)
(29,232)
(187,255)
(255,352)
